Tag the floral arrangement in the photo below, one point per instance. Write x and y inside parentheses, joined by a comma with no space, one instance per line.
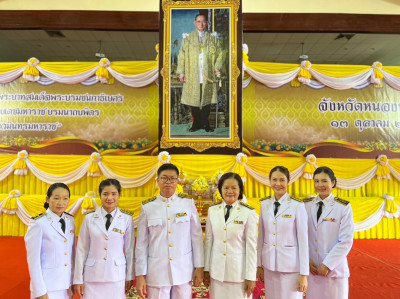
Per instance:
(217,196)
(215,178)
(135,145)
(200,184)
(179,189)
(279,147)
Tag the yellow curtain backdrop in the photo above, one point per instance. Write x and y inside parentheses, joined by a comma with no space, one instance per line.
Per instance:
(365,200)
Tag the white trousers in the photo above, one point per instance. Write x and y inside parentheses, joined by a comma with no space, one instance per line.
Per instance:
(182,291)
(226,289)
(327,288)
(281,285)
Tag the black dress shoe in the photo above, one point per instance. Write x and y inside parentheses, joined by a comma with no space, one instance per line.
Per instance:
(194,129)
(208,129)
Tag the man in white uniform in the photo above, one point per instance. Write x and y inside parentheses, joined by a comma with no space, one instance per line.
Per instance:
(169,248)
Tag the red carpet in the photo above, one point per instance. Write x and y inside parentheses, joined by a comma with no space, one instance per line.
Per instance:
(374,269)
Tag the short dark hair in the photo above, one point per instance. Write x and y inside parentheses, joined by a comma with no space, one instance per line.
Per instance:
(201,14)
(231,175)
(110,182)
(54,187)
(282,169)
(328,171)
(167,166)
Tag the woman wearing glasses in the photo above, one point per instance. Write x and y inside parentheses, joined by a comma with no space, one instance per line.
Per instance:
(282,241)
(231,243)
(104,256)
(330,235)
(50,247)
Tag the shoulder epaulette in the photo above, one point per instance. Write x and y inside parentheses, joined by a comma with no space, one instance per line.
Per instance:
(184,195)
(38,216)
(246,205)
(308,199)
(269,197)
(149,200)
(68,214)
(296,199)
(130,213)
(342,201)
(216,203)
(88,212)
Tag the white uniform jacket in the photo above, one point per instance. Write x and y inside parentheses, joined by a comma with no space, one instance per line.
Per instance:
(50,253)
(100,253)
(332,237)
(282,239)
(231,248)
(169,241)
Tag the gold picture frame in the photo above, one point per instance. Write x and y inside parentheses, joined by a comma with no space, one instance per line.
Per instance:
(223,124)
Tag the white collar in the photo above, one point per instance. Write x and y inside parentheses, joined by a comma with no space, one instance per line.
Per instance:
(233,205)
(166,199)
(53,215)
(104,212)
(326,200)
(283,198)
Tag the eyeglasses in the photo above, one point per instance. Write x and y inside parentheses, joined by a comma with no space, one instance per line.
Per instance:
(165,179)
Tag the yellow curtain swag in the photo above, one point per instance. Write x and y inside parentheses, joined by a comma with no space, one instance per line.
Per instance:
(390,206)
(295,83)
(87,203)
(31,73)
(94,169)
(309,170)
(102,73)
(10,205)
(383,171)
(20,166)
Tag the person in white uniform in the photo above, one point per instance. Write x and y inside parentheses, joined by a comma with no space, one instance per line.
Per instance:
(330,235)
(169,247)
(105,253)
(50,247)
(282,241)
(230,255)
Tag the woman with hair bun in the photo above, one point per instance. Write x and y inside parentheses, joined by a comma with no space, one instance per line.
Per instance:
(330,235)
(282,241)
(50,247)
(104,256)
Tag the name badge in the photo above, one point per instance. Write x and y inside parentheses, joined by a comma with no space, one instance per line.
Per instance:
(117,230)
(182,214)
(238,222)
(329,219)
(286,216)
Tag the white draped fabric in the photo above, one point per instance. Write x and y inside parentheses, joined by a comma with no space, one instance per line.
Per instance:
(128,182)
(375,218)
(7,77)
(342,82)
(51,179)
(139,80)
(327,76)
(273,80)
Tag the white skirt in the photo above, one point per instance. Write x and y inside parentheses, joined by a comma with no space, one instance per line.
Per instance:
(105,290)
(279,285)
(226,289)
(327,288)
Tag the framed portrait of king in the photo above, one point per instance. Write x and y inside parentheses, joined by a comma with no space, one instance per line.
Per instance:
(200,83)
